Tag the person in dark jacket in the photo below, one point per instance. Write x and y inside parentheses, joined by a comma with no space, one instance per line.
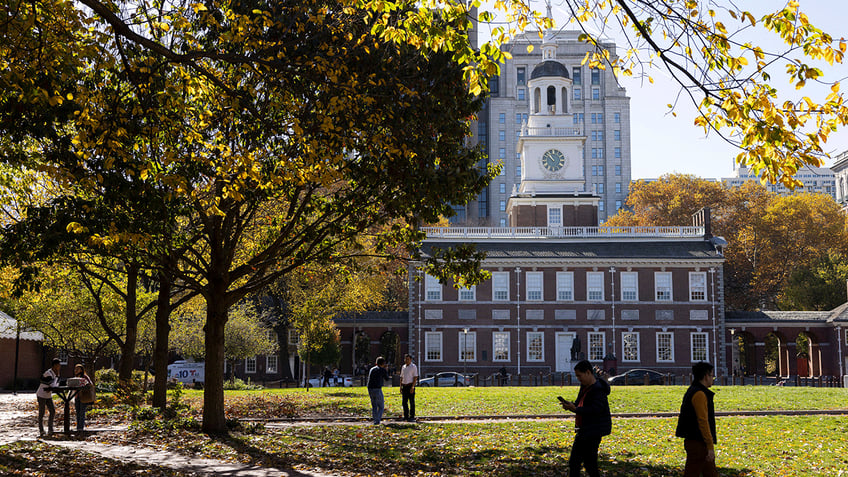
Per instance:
(376,376)
(593,420)
(696,423)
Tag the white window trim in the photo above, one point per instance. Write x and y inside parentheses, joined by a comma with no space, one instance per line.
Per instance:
(565,283)
(554,216)
(590,287)
(293,338)
(657,276)
(473,292)
(427,338)
(589,344)
(528,289)
(635,287)
(638,347)
(671,346)
(502,288)
(541,335)
(706,337)
(432,285)
(268,360)
(508,347)
(250,363)
(703,276)
(470,339)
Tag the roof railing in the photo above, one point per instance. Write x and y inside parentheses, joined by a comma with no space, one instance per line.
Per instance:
(561,232)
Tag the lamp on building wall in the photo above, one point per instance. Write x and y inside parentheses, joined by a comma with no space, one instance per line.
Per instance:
(518,317)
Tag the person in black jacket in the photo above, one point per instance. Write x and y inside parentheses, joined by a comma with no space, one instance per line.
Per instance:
(376,376)
(696,424)
(593,420)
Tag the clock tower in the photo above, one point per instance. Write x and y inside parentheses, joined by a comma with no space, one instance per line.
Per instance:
(553,187)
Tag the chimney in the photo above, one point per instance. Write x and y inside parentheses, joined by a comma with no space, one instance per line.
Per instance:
(701,218)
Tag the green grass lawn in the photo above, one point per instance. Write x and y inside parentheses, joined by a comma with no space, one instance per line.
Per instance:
(748,446)
(761,446)
(525,400)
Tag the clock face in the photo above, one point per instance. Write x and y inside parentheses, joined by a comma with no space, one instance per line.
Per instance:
(553,160)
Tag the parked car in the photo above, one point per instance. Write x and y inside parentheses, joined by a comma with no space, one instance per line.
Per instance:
(446,379)
(637,376)
(346,381)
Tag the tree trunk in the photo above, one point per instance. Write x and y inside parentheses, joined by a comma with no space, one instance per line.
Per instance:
(127,363)
(213,390)
(160,351)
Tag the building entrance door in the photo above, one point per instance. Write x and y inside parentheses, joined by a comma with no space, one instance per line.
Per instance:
(563,352)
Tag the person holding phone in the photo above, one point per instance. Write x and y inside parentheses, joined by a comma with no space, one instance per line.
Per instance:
(592,421)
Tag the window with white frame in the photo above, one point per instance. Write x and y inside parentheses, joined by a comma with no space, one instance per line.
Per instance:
(699,347)
(250,365)
(554,217)
(293,339)
(63,356)
(433,346)
(535,346)
(595,286)
(271,364)
(697,286)
(629,286)
(662,286)
(500,346)
(433,289)
(565,286)
(665,347)
(500,286)
(630,347)
(534,286)
(597,344)
(467,346)
(468,294)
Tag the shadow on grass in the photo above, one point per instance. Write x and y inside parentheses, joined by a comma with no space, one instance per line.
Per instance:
(343,394)
(363,452)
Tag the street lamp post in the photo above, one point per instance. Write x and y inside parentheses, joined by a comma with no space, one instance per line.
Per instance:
(715,328)
(612,299)
(518,318)
(464,352)
(732,356)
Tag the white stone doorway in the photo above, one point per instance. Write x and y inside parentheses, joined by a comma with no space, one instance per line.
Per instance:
(564,340)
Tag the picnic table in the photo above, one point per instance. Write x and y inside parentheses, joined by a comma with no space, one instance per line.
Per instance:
(67,393)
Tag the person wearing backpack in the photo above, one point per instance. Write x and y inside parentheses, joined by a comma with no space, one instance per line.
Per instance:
(49,380)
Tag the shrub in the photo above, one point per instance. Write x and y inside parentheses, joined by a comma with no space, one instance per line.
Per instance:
(236,384)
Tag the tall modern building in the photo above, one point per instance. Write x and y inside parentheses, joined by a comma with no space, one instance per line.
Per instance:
(816,180)
(584,108)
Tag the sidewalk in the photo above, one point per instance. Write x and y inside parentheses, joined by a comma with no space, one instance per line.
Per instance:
(18,415)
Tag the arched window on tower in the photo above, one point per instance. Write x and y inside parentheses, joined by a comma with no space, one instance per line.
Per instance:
(564,97)
(551,99)
(537,100)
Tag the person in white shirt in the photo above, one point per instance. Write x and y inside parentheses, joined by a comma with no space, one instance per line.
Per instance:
(408,380)
(49,380)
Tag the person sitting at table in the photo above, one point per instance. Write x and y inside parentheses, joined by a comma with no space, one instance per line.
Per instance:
(85,396)
(49,380)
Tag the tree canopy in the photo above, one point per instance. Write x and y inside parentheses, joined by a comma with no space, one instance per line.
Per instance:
(775,243)
(233,142)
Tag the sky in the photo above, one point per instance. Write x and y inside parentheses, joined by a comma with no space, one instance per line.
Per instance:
(662,143)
